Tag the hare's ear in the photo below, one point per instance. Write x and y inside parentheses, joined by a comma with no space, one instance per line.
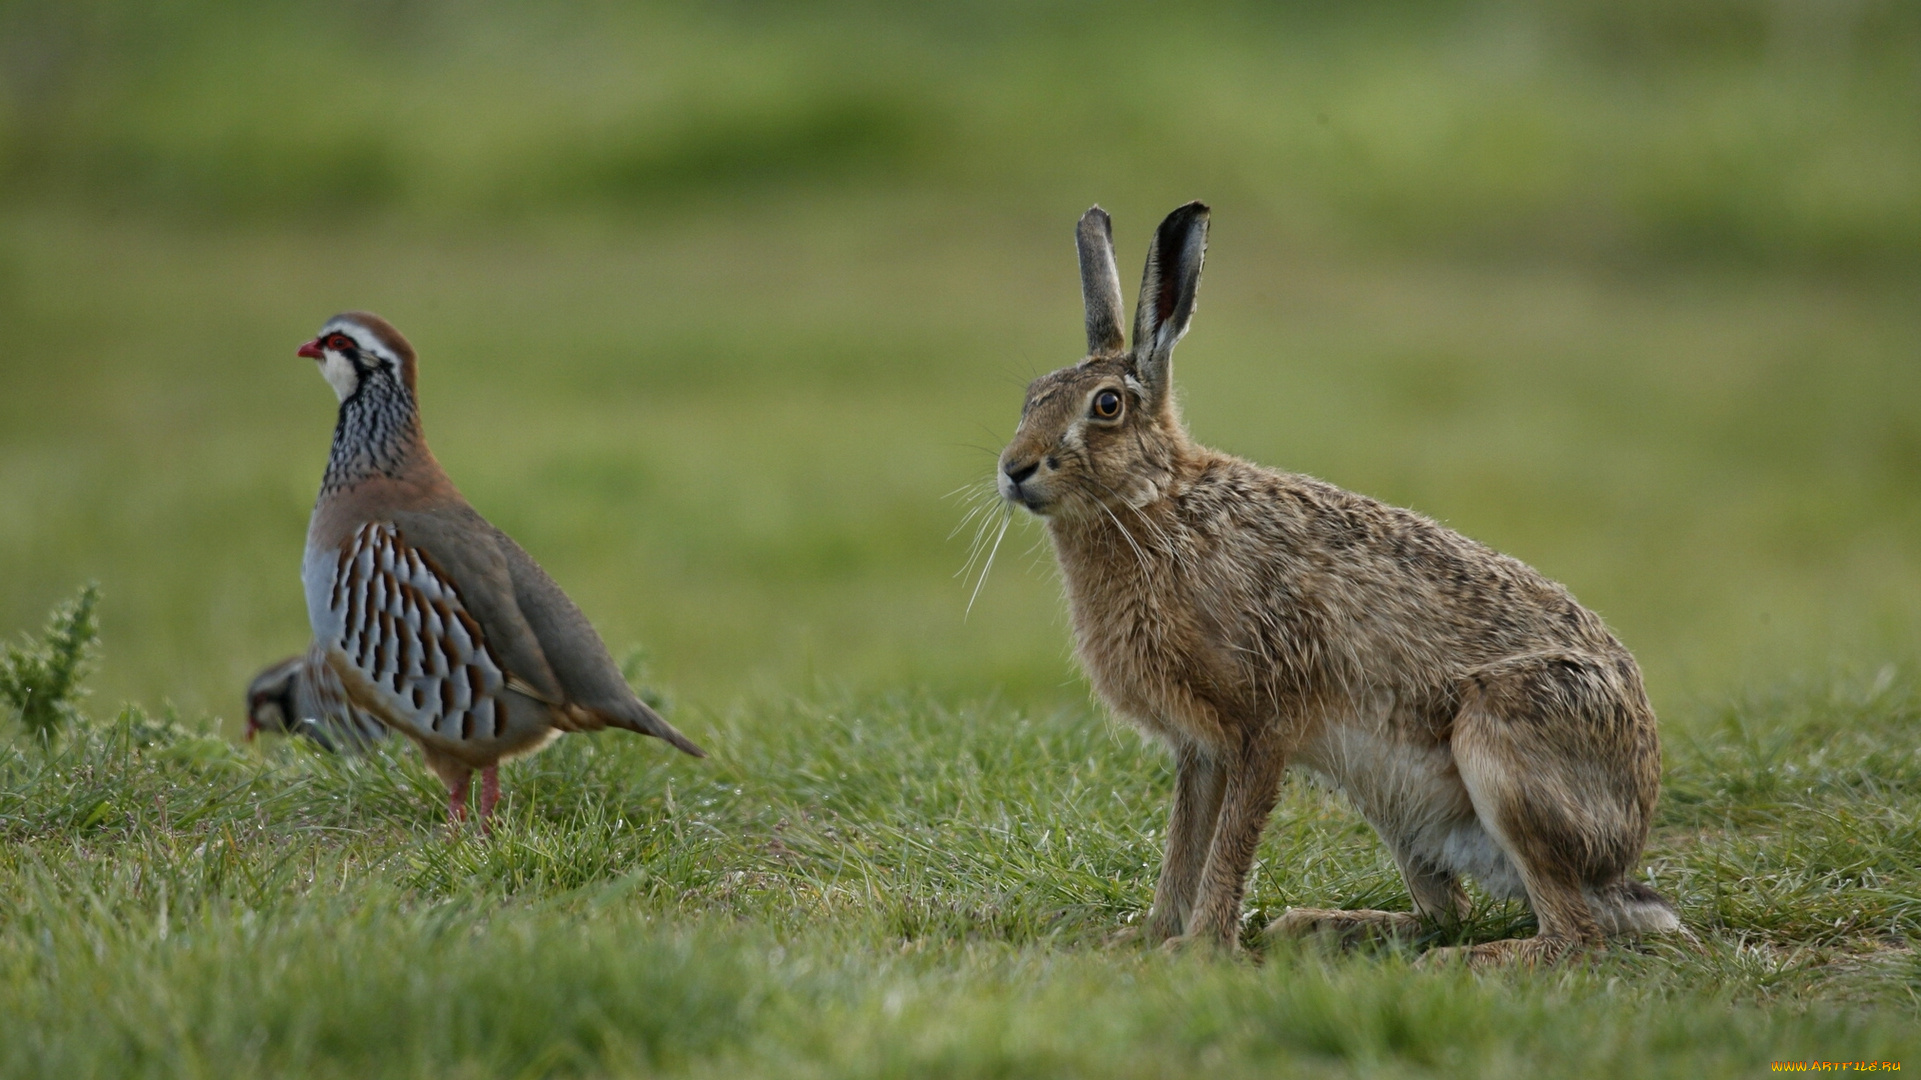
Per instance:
(1100,283)
(1167,294)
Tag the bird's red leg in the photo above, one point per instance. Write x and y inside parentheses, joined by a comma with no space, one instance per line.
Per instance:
(489,795)
(457,801)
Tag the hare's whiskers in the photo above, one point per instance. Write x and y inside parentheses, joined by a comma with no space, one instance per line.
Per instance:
(986,521)
(1166,544)
(1139,555)
(1006,520)
(980,508)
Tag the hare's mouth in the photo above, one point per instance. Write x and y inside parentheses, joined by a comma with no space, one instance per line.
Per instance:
(1033,503)
(1023,495)
(1017,481)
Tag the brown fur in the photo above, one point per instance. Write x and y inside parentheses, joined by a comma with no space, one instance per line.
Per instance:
(1483,721)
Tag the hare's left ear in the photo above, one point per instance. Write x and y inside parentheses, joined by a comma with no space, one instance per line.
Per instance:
(1100,283)
(1167,295)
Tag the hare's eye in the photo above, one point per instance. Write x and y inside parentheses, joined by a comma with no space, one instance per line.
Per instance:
(1107,404)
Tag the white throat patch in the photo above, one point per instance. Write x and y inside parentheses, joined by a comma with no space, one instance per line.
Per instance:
(339,373)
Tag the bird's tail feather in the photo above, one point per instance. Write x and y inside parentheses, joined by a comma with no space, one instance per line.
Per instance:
(639,718)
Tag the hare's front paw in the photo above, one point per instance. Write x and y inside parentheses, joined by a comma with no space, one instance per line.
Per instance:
(1204,938)
(1345,927)
(1150,932)
(1199,943)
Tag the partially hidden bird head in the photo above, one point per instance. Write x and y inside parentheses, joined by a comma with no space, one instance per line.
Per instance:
(357,349)
(270,699)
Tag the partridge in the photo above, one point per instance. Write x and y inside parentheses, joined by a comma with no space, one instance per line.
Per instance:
(432,620)
(301,696)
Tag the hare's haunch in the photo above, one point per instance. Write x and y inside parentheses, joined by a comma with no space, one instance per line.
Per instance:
(1485,723)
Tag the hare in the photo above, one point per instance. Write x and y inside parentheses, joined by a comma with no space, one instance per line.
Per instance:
(1485,724)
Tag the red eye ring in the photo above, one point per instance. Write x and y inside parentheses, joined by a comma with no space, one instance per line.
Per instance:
(339,343)
(1107,404)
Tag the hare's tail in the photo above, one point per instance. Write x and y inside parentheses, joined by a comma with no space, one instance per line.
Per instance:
(1629,907)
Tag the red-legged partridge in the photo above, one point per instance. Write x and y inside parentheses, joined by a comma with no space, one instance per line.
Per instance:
(432,619)
(302,696)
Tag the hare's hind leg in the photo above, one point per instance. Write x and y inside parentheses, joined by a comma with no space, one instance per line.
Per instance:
(1199,782)
(1561,760)
(1346,926)
(1436,892)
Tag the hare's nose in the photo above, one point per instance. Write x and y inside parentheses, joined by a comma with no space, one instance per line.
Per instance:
(1018,473)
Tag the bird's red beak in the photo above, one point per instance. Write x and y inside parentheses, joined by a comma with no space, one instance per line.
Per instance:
(311,350)
(252,729)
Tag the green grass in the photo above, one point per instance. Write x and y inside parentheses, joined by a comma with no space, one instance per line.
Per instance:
(717,303)
(894,887)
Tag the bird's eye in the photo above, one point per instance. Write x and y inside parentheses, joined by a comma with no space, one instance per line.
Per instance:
(1107,404)
(339,343)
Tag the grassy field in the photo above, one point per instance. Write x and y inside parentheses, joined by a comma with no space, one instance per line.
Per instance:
(895,886)
(718,304)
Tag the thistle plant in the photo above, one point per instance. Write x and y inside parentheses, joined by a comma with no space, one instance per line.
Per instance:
(42,679)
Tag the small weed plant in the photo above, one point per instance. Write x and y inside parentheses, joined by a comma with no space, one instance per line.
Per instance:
(42,680)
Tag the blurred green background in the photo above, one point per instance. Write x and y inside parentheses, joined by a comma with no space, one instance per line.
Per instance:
(718,302)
